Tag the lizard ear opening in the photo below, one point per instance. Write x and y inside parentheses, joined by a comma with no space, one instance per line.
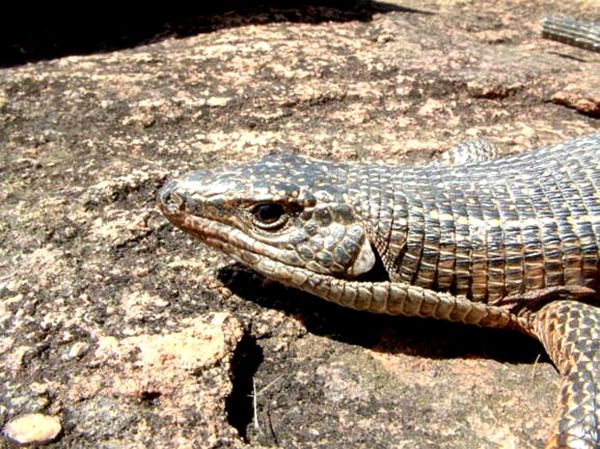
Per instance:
(365,260)
(377,271)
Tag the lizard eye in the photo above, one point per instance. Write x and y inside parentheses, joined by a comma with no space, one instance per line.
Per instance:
(269,216)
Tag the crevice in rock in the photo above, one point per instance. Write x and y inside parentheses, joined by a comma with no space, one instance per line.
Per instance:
(239,404)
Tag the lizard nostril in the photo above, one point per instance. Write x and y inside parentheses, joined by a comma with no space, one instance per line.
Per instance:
(169,200)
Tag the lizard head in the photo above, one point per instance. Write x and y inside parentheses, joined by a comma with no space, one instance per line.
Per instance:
(282,212)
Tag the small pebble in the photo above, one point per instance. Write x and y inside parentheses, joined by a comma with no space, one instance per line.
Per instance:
(33,428)
(77,350)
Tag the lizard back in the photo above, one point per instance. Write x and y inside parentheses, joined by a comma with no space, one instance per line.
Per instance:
(490,229)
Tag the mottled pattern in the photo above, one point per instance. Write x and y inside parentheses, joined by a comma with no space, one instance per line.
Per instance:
(497,243)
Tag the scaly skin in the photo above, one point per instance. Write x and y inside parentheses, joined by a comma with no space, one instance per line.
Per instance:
(573,32)
(511,242)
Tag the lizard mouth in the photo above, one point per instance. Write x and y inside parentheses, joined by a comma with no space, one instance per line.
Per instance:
(210,230)
(219,235)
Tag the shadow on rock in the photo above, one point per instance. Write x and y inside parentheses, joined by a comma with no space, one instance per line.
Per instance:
(390,334)
(37,34)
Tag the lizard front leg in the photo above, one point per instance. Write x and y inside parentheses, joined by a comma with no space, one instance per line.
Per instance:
(570,333)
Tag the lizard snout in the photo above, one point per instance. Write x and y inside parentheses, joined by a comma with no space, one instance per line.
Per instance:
(170,201)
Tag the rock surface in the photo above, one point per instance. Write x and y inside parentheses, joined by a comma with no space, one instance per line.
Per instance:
(138,337)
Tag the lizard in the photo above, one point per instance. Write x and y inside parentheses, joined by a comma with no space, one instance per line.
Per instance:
(505,242)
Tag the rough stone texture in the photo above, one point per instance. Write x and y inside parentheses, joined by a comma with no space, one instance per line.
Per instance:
(138,337)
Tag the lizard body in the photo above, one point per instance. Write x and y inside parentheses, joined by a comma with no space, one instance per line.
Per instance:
(509,242)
